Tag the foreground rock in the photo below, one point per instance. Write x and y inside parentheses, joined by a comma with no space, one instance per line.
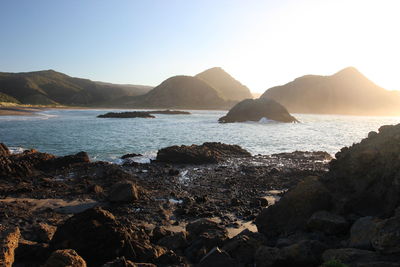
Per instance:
(131,114)
(200,154)
(9,237)
(256,109)
(65,257)
(95,235)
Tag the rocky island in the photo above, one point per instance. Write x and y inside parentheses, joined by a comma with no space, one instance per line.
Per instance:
(224,207)
(256,109)
(128,114)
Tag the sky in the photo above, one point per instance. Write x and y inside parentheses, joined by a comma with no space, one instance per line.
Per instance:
(260,43)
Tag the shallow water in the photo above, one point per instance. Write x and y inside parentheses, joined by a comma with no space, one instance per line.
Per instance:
(64,132)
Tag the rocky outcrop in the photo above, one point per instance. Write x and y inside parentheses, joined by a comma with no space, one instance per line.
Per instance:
(256,109)
(9,237)
(130,114)
(64,258)
(94,234)
(200,154)
(293,211)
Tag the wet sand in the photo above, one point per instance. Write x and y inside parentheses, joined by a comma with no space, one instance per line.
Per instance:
(19,111)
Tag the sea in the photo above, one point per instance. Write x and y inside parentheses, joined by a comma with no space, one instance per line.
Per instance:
(68,131)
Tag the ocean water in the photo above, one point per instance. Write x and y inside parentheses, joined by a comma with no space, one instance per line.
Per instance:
(63,132)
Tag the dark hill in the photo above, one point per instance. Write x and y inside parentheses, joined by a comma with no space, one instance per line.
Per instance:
(225,84)
(51,87)
(180,92)
(346,92)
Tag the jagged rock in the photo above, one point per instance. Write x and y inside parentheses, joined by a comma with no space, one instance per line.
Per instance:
(256,109)
(4,151)
(131,114)
(386,238)
(328,223)
(292,212)
(364,178)
(130,155)
(217,258)
(94,234)
(44,232)
(123,192)
(200,154)
(9,237)
(65,258)
(362,232)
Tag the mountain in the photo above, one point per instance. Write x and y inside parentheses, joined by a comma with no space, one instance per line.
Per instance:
(345,92)
(51,87)
(180,92)
(225,84)
(8,99)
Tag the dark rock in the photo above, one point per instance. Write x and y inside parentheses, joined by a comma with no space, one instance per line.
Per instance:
(122,262)
(242,248)
(174,241)
(386,238)
(4,151)
(328,223)
(123,192)
(350,256)
(200,154)
(217,258)
(97,189)
(94,234)
(268,257)
(65,258)
(256,109)
(203,225)
(130,155)
(173,172)
(31,253)
(362,232)
(304,253)
(44,232)
(364,178)
(9,237)
(292,212)
(131,114)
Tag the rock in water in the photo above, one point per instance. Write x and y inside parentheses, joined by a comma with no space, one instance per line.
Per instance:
(132,114)
(9,237)
(65,257)
(94,234)
(256,109)
(200,154)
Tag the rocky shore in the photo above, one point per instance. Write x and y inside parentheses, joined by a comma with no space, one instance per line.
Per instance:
(289,209)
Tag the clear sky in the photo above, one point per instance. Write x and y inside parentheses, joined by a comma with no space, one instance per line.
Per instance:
(261,43)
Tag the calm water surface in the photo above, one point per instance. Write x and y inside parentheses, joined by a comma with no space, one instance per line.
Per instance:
(64,132)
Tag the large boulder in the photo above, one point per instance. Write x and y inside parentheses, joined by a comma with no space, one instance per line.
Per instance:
(365,178)
(256,109)
(328,223)
(295,208)
(95,235)
(386,238)
(9,237)
(211,152)
(362,231)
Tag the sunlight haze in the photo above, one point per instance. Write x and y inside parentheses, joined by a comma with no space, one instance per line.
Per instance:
(260,43)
